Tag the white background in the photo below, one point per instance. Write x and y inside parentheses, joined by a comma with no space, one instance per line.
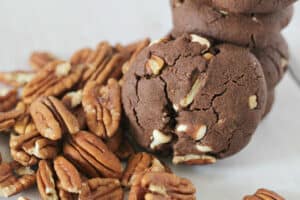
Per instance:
(271,160)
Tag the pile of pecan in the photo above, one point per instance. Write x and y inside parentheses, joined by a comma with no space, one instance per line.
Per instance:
(66,131)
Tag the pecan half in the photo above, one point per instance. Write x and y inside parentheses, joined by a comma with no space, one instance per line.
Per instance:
(102,106)
(25,124)
(8,99)
(81,56)
(95,62)
(46,182)
(54,79)
(264,194)
(14,179)
(52,118)
(92,156)
(140,164)
(8,119)
(68,176)
(34,145)
(38,59)
(161,185)
(64,195)
(101,188)
(16,78)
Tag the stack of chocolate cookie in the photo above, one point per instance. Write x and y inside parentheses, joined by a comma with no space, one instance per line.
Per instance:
(253,24)
(200,93)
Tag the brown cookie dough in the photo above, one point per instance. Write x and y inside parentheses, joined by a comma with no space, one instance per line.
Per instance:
(270,103)
(274,59)
(254,30)
(251,6)
(202,101)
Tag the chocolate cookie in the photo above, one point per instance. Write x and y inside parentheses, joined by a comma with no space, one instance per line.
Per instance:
(270,103)
(251,6)
(202,101)
(254,30)
(274,59)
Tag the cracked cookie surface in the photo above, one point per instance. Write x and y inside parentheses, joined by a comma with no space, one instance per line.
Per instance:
(204,103)
(252,30)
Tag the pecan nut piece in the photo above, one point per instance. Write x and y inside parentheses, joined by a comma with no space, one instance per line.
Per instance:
(24,124)
(68,176)
(16,78)
(81,56)
(38,60)
(264,194)
(56,78)
(101,188)
(14,179)
(102,106)
(46,182)
(8,99)
(64,195)
(95,62)
(92,156)
(140,164)
(52,118)
(34,145)
(161,185)
(8,119)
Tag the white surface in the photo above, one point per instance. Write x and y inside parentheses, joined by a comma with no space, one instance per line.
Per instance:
(272,158)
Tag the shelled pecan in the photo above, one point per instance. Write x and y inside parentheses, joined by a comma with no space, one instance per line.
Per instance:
(101,188)
(54,79)
(68,176)
(46,182)
(81,56)
(264,194)
(16,78)
(52,118)
(27,149)
(102,106)
(161,185)
(15,179)
(89,153)
(38,59)
(8,118)
(8,99)
(140,164)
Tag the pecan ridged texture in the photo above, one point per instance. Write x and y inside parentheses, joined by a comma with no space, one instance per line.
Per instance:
(138,165)
(54,79)
(16,78)
(92,157)
(8,99)
(8,118)
(264,194)
(52,118)
(68,176)
(161,185)
(15,179)
(101,188)
(38,59)
(102,106)
(28,148)
(46,182)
